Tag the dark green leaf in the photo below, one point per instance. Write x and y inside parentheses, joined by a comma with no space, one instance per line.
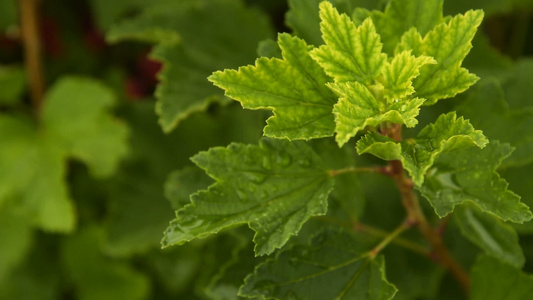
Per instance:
(98,277)
(334,265)
(492,279)
(191,49)
(490,234)
(274,187)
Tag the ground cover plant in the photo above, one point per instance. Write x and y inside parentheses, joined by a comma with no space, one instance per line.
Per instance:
(367,150)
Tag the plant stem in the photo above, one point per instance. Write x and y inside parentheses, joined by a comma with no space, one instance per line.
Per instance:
(416,217)
(31,39)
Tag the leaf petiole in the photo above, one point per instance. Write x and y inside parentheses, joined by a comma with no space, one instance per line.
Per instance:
(390,237)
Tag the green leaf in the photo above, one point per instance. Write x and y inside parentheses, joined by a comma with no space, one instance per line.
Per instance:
(96,276)
(16,237)
(401,15)
(182,183)
(225,284)
(398,75)
(348,192)
(468,175)
(304,20)
(448,43)
(39,277)
(8,14)
(294,88)
(12,83)
(351,53)
(358,108)
(518,83)
(191,50)
(447,134)
(269,48)
(492,279)
(487,108)
(33,171)
(334,265)
(274,187)
(76,115)
(488,232)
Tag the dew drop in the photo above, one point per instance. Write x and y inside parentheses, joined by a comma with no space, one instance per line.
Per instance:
(188,225)
(293,261)
(264,195)
(255,177)
(267,163)
(283,159)
(304,162)
(242,195)
(248,160)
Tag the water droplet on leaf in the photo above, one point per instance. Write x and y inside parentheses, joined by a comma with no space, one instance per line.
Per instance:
(304,162)
(188,225)
(283,159)
(255,177)
(242,195)
(267,163)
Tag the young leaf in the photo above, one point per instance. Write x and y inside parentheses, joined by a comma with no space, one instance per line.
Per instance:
(401,15)
(468,175)
(448,43)
(398,75)
(492,279)
(358,108)
(351,53)
(191,50)
(332,266)
(304,20)
(448,133)
(274,187)
(489,233)
(294,88)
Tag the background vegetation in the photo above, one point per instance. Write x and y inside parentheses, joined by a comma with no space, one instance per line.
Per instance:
(89,159)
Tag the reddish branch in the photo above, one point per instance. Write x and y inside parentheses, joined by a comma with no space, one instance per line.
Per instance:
(32,48)
(416,216)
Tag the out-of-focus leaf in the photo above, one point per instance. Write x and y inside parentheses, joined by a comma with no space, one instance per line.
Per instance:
(76,115)
(191,49)
(12,82)
(96,276)
(487,109)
